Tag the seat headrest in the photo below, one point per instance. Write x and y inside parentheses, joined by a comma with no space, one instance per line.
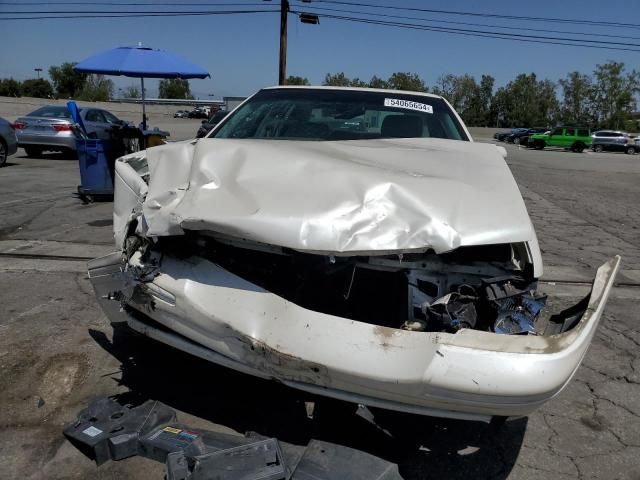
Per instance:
(401,126)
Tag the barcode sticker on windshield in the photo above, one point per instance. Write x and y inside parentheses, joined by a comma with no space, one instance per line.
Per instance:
(408,104)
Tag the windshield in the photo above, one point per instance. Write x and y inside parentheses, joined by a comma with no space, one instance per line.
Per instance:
(319,114)
(51,111)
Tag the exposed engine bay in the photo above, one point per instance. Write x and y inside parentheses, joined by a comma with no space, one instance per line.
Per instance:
(489,288)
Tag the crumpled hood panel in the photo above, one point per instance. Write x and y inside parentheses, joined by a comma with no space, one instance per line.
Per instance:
(341,197)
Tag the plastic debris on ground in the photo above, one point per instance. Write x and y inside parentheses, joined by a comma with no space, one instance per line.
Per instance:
(108,430)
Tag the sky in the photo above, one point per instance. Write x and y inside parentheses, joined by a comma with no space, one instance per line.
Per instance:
(241,51)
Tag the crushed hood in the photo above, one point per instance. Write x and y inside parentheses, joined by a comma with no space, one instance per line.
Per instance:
(343,197)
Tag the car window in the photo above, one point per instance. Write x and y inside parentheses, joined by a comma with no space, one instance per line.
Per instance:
(52,111)
(557,131)
(95,116)
(110,117)
(218,116)
(327,114)
(570,132)
(583,132)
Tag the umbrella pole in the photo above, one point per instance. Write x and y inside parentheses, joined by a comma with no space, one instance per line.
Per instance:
(144,112)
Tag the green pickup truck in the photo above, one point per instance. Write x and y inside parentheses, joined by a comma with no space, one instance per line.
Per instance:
(574,138)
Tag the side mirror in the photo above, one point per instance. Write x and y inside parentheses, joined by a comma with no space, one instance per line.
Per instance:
(203,122)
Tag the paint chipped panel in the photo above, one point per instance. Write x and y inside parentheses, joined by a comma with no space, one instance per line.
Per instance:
(281,365)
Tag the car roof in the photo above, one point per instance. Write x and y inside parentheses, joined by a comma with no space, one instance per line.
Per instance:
(353,89)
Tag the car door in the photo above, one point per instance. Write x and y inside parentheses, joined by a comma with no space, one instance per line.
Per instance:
(619,141)
(555,137)
(584,135)
(569,137)
(95,122)
(606,139)
(111,119)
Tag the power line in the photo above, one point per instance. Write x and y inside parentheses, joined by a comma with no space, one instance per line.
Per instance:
(135,4)
(507,35)
(497,35)
(123,12)
(544,39)
(485,15)
(432,20)
(140,14)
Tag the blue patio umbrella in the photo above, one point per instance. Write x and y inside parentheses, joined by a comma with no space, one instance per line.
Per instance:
(141,62)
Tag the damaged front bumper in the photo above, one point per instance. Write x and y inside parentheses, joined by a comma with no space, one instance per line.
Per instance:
(199,307)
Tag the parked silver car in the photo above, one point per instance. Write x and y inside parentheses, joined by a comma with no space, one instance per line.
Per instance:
(8,143)
(614,140)
(49,128)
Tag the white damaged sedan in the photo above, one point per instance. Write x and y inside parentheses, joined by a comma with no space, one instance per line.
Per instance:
(353,243)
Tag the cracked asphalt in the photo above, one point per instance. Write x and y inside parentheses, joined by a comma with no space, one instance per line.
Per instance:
(57,350)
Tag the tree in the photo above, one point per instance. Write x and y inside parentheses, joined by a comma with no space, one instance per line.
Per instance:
(337,80)
(578,95)
(486,97)
(470,97)
(377,82)
(175,88)
(131,92)
(66,81)
(341,80)
(614,93)
(356,82)
(96,89)
(37,87)
(407,81)
(294,80)
(548,105)
(445,86)
(10,87)
(471,101)
(397,81)
(527,101)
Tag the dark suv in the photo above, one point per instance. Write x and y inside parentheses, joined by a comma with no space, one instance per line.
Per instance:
(522,137)
(614,140)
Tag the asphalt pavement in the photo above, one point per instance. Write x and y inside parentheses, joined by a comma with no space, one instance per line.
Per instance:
(57,350)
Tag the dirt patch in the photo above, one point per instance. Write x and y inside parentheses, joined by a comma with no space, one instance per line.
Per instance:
(62,373)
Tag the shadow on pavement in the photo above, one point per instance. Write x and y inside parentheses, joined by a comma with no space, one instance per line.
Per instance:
(423,447)
(52,156)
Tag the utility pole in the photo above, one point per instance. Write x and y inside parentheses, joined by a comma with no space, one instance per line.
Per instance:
(282,72)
